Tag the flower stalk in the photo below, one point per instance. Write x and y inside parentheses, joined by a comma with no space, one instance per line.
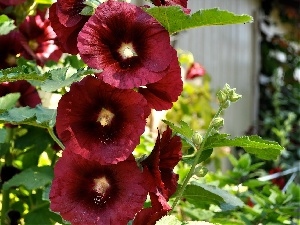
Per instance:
(198,154)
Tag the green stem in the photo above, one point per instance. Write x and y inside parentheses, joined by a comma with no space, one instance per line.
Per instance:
(51,132)
(5,193)
(5,207)
(192,170)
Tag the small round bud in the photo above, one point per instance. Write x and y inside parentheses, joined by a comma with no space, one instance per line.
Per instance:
(222,97)
(217,123)
(197,138)
(226,104)
(235,97)
(200,171)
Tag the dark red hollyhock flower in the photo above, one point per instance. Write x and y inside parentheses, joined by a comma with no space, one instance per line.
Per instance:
(149,216)
(280,181)
(182,3)
(162,160)
(66,35)
(161,180)
(29,95)
(86,192)
(39,39)
(130,46)
(11,2)
(195,70)
(9,47)
(68,12)
(161,94)
(103,121)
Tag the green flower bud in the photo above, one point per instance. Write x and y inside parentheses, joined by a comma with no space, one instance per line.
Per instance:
(222,97)
(235,97)
(226,104)
(200,171)
(226,88)
(197,138)
(217,123)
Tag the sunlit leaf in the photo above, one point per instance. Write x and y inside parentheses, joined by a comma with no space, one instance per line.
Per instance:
(6,24)
(197,193)
(170,220)
(183,130)
(175,20)
(59,78)
(263,149)
(8,101)
(49,81)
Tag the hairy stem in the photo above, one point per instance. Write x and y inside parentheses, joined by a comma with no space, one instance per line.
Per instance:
(198,154)
(52,134)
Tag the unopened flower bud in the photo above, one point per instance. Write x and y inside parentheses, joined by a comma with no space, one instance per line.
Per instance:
(200,171)
(218,122)
(222,97)
(197,138)
(226,104)
(226,88)
(235,97)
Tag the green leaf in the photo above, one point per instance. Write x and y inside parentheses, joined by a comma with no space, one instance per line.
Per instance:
(4,148)
(170,220)
(3,134)
(8,101)
(50,80)
(38,116)
(59,78)
(197,193)
(46,2)
(41,215)
(175,20)
(263,149)
(183,130)
(24,72)
(6,25)
(31,178)
(204,156)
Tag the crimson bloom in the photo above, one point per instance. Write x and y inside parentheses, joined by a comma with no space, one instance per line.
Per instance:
(130,46)
(162,160)
(195,70)
(279,181)
(103,121)
(67,22)
(28,93)
(86,192)
(149,216)
(182,3)
(39,39)
(68,12)
(161,94)
(9,47)
(158,168)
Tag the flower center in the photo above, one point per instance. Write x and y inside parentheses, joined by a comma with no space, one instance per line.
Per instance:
(11,60)
(105,117)
(127,51)
(33,44)
(101,185)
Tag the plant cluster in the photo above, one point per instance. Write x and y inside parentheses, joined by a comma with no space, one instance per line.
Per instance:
(111,63)
(279,114)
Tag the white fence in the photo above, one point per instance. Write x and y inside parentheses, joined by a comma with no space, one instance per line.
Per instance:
(230,54)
